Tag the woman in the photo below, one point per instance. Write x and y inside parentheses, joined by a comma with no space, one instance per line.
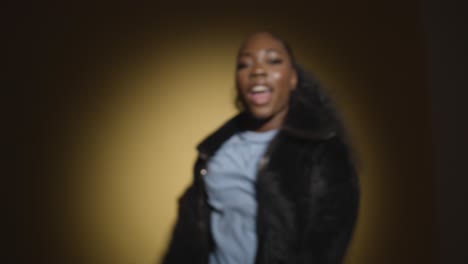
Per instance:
(276,183)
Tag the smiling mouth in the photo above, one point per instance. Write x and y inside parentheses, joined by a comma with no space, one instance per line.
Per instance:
(260,95)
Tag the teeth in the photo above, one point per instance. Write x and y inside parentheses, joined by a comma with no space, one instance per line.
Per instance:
(260,88)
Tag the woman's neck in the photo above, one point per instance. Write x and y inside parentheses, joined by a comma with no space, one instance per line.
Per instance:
(262,125)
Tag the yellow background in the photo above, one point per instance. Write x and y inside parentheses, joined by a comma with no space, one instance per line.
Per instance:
(129,94)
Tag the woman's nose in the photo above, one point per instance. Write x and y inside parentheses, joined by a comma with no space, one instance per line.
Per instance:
(258,70)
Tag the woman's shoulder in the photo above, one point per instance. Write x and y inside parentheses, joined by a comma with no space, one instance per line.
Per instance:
(213,141)
(336,161)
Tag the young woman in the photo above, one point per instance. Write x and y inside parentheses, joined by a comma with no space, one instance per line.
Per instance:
(276,183)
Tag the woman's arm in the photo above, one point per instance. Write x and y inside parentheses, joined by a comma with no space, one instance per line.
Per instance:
(331,205)
(189,242)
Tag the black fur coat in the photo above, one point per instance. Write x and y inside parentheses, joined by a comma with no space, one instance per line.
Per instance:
(307,193)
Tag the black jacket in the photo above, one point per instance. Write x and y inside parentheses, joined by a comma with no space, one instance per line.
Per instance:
(307,191)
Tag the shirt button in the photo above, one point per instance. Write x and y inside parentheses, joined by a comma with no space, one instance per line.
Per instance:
(203,172)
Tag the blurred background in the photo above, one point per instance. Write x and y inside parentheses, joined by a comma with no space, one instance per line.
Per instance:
(111,99)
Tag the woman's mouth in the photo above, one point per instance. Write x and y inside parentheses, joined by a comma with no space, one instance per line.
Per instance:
(260,94)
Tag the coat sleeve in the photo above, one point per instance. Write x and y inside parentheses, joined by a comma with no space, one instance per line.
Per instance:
(190,241)
(331,205)
(181,246)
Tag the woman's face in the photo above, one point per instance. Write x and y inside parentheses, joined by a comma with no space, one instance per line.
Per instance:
(265,77)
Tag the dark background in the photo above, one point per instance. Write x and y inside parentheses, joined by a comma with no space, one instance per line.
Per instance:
(407,60)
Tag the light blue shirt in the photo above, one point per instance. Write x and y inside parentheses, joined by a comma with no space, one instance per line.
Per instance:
(230,185)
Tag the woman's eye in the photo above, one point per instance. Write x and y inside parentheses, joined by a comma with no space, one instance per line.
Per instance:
(276,61)
(241,65)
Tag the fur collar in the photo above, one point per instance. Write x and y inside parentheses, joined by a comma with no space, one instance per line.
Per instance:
(306,120)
